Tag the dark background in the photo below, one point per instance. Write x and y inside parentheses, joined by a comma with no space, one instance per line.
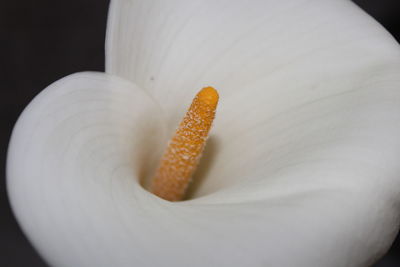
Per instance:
(44,40)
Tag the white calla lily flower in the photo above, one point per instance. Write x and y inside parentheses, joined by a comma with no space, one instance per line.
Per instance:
(302,168)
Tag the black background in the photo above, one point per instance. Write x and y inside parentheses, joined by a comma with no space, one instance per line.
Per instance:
(44,40)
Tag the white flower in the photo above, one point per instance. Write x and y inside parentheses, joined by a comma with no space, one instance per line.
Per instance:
(303,165)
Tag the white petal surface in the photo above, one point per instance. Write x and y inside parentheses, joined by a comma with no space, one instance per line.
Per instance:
(78,143)
(276,50)
(307,128)
(276,64)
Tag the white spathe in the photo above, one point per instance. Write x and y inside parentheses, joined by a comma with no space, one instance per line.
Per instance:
(305,153)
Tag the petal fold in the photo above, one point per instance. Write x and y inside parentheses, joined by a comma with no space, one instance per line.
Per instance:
(73,148)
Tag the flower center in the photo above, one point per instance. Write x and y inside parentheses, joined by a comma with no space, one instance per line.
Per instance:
(185,148)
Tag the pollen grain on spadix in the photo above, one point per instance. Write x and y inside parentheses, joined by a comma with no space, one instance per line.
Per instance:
(185,148)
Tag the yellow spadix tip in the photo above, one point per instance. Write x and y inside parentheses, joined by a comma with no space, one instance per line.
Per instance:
(184,149)
(208,95)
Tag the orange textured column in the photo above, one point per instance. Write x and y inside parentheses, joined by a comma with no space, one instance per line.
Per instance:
(185,148)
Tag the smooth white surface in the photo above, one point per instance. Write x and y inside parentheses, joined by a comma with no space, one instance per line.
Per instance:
(305,153)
